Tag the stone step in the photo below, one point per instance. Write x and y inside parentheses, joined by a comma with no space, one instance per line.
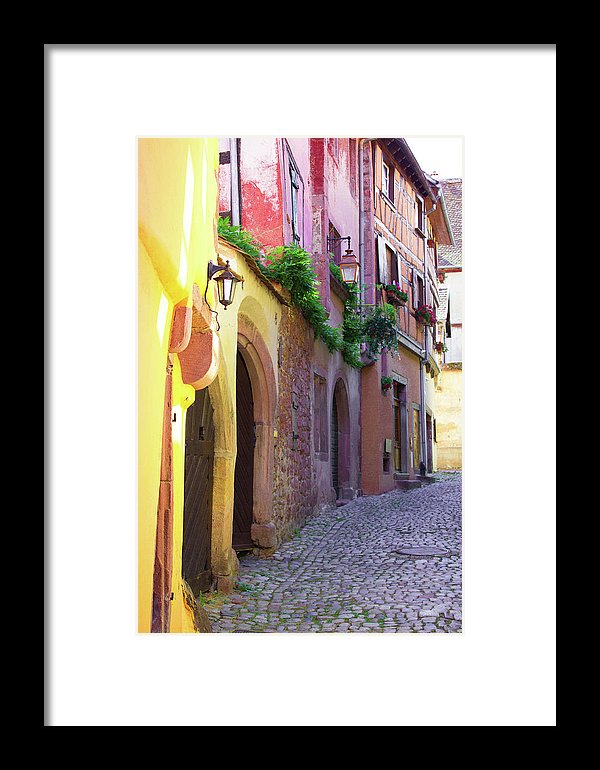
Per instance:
(408,483)
(426,479)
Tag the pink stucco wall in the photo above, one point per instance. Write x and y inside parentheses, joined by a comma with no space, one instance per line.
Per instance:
(342,204)
(326,194)
(261,198)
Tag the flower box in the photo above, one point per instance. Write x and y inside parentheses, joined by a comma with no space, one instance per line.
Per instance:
(425,315)
(394,294)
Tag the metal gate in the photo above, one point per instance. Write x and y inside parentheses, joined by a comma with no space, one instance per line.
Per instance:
(198,485)
(244,465)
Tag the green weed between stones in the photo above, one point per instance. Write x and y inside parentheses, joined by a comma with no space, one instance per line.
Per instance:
(246,588)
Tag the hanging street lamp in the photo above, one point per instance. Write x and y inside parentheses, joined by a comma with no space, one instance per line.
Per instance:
(350,267)
(226,281)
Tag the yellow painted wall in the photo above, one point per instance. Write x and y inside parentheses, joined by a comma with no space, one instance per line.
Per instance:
(177,218)
(449,416)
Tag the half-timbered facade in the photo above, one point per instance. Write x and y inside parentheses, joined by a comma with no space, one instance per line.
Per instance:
(407,222)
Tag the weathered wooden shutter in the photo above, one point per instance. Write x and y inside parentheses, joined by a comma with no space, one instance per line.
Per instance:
(383,276)
(294,188)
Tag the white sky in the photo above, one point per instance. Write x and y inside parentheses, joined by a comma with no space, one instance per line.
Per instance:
(439,154)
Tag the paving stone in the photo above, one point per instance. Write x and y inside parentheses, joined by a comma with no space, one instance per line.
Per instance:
(344,575)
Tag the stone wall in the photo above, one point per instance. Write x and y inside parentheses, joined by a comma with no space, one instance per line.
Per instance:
(294,495)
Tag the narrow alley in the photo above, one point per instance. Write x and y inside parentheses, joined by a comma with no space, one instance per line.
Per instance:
(386,563)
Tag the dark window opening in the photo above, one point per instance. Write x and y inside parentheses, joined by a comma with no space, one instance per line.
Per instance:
(392,265)
(334,244)
(418,297)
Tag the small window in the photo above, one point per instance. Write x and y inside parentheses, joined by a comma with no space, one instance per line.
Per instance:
(387,184)
(293,194)
(420,224)
(334,244)
(418,297)
(295,187)
(392,265)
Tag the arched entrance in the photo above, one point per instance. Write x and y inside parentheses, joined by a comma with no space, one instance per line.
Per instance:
(340,441)
(335,475)
(198,490)
(243,501)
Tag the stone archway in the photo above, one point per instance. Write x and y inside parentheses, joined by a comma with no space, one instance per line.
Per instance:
(259,366)
(340,454)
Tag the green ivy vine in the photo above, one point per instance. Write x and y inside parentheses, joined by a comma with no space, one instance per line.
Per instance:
(292,267)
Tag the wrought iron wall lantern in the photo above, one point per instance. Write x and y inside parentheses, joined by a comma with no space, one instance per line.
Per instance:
(349,265)
(226,281)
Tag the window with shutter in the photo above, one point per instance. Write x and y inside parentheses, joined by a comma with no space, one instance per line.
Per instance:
(335,244)
(417,289)
(382,261)
(295,188)
(391,265)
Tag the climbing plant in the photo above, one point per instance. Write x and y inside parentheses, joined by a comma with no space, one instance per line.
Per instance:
(292,267)
(352,329)
(240,237)
(336,271)
(379,330)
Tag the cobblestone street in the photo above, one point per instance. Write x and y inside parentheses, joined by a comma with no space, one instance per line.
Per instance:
(386,564)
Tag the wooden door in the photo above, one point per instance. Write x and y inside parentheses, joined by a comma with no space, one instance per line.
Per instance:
(198,486)
(400,429)
(429,444)
(335,470)
(416,439)
(243,502)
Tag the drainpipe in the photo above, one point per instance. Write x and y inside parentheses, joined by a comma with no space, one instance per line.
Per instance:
(439,197)
(424,458)
(361,260)
(235,182)
(423,468)
(423,359)
(361,216)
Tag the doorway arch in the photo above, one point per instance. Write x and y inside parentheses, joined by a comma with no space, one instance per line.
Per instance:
(255,359)
(340,439)
(243,496)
